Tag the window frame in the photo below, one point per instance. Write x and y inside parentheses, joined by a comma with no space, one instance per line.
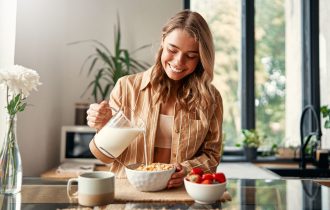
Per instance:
(310,60)
(310,57)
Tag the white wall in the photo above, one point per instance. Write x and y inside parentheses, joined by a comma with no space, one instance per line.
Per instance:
(325,64)
(293,68)
(7,49)
(43,30)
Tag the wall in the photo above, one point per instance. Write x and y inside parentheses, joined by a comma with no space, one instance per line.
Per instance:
(7,49)
(325,63)
(293,71)
(44,29)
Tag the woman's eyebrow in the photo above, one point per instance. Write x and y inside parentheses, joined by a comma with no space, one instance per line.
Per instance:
(189,51)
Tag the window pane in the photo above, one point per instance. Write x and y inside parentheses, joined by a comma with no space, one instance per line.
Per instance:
(223,17)
(278,92)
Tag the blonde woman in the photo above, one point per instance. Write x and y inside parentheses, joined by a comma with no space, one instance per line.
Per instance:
(182,110)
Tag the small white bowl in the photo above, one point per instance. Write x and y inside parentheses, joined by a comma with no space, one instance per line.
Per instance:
(205,193)
(148,181)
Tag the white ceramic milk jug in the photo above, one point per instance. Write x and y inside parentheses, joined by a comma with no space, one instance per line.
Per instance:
(115,136)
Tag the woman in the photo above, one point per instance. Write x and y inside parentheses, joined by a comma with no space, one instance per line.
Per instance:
(183,112)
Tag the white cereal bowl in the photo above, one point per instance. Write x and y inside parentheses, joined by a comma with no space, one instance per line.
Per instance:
(204,193)
(148,181)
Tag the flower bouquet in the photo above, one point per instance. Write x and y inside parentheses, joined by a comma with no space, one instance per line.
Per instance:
(18,82)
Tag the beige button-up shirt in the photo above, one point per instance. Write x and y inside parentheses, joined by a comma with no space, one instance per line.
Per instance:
(196,136)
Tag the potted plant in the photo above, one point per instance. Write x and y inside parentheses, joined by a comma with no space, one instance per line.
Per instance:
(325,110)
(251,141)
(106,67)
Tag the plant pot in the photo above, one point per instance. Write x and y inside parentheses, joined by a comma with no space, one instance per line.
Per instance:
(250,153)
(287,153)
(81,113)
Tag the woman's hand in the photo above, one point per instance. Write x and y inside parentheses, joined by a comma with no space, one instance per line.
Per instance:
(177,177)
(98,115)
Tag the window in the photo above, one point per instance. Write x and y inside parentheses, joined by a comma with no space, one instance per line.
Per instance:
(277,67)
(224,19)
(278,74)
(324,65)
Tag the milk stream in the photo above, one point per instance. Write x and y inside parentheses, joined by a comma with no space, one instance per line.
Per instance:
(145,148)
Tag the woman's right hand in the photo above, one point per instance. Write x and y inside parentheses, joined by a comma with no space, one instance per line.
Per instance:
(98,115)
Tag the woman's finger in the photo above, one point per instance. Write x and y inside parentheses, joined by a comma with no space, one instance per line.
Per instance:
(176,182)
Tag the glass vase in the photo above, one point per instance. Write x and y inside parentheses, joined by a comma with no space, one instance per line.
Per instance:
(10,160)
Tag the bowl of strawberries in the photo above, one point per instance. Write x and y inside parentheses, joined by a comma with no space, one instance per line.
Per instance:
(205,188)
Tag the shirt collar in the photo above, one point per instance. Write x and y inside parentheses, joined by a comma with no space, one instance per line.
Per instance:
(146,78)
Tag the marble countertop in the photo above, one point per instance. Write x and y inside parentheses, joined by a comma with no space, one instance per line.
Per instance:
(245,171)
(258,193)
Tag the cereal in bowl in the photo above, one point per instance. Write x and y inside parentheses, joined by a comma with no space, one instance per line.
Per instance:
(152,178)
(155,167)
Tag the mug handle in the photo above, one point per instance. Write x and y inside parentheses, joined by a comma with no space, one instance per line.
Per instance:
(71,194)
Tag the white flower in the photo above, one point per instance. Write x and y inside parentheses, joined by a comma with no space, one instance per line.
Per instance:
(19,82)
(19,79)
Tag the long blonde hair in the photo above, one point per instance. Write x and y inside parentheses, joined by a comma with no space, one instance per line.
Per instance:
(194,89)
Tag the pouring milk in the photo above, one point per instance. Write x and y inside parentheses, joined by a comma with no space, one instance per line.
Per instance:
(115,136)
(116,140)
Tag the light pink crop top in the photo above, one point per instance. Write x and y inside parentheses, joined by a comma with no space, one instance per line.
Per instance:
(164,131)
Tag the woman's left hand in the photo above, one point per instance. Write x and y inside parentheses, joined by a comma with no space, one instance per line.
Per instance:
(177,177)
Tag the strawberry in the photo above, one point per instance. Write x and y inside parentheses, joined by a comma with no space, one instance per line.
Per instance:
(197,170)
(219,177)
(207,181)
(194,178)
(207,176)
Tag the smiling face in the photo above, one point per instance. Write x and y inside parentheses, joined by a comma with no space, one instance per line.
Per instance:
(180,54)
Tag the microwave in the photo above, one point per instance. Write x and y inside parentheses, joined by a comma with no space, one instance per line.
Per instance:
(74,145)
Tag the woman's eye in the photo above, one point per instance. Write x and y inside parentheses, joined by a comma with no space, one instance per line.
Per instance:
(192,56)
(171,50)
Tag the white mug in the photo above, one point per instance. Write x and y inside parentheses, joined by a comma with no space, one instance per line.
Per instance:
(94,188)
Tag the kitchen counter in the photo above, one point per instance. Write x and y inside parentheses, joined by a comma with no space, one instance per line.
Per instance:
(38,193)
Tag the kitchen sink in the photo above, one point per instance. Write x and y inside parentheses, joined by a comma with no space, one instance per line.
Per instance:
(301,173)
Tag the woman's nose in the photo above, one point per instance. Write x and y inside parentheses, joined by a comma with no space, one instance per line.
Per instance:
(179,59)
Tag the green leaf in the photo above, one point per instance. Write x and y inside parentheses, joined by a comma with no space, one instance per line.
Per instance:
(86,62)
(251,138)
(327,124)
(87,88)
(325,111)
(126,60)
(104,57)
(105,93)
(92,65)
(22,107)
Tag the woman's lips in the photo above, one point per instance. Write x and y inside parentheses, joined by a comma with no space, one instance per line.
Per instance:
(174,69)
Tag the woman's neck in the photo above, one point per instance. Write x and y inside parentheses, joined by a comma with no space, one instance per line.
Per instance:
(167,108)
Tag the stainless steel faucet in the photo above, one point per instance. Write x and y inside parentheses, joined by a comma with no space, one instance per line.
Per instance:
(316,133)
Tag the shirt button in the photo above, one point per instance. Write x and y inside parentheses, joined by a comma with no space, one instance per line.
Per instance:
(176,130)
